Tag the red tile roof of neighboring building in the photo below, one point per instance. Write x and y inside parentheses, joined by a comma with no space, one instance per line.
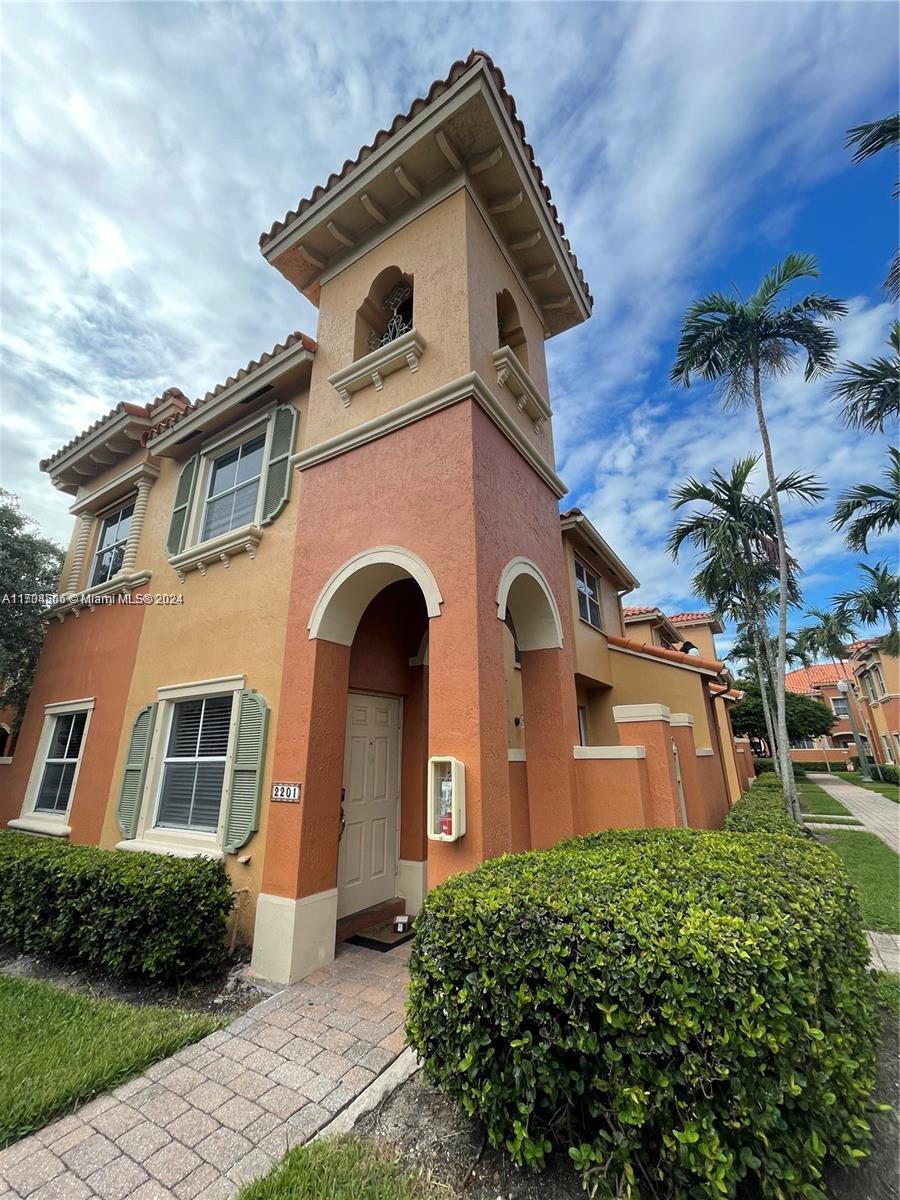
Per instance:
(690,618)
(805,679)
(639,610)
(673,656)
(437,89)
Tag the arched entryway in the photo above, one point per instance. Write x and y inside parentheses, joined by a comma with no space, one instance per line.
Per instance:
(540,725)
(379,604)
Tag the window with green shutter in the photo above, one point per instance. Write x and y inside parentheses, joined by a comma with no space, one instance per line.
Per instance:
(135,774)
(278,470)
(246,770)
(184,495)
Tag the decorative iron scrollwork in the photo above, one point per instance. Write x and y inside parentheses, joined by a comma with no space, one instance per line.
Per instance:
(399,322)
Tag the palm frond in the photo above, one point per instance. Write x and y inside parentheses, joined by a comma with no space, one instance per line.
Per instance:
(795,266)
(873,136)
(868,509)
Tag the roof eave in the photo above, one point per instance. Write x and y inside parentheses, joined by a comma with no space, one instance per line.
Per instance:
(211,411)
(117,438)
(582,526)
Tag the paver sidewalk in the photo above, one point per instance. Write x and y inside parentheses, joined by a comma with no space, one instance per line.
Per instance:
(878,814)
(220,1112)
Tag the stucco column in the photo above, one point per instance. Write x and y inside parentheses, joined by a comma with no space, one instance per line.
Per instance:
(137,523)
(647,725)
(297,907)
(73,579)
(467,720)
(696,803)
(550,734)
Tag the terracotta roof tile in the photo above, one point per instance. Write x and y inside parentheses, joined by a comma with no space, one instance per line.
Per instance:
(690,618)
(804,679)
(639,610)
(437,89)
(674,656)
(134,410)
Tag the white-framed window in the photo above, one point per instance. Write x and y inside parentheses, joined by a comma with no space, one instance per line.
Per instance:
(54,772)
(887,748)
(840,706)
(803,743)
(192,780)
(232,487)
(897,744)
(588,595)
(582,726)
(111,544)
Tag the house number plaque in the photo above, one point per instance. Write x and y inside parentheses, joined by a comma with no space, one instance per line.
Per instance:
(288,793)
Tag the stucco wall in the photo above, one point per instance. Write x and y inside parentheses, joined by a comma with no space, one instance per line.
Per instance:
(612,794)
(639,680)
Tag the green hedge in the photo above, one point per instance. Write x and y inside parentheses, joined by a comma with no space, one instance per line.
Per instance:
(766,766)
(889,773)
(762,810)
(126,914)
(690,1014)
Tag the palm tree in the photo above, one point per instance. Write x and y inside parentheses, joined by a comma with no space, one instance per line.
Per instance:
(869,509)
(738,344)
(870,139)
(734,535)
(870,392)
(875,600)
(830,633)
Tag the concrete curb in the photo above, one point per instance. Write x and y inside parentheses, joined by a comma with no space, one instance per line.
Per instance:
(402,1068)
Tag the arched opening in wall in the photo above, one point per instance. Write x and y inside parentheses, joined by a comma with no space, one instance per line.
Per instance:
(509,327)
(386,313)
(512,669)
(5,741)
(379,604)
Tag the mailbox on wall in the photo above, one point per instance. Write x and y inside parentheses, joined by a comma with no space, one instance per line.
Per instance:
(446,799)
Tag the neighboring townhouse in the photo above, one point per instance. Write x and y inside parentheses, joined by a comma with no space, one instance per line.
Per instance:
(325,623)
(648,624)
(877,678)
(820,682)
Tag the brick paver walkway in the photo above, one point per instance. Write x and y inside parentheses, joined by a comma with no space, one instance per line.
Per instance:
(884,951)
(220,1112)
(878,814)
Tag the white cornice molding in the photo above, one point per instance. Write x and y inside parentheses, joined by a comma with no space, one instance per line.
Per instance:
(101,595)
(470,386)
(623,713)
(609,752)
(704,752)
(108,439)
(681,720)
(513,376)
(96,500)
(514,755)
(243,540)
(579,524)
(370,370)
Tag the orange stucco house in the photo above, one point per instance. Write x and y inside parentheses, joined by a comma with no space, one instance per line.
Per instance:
(326,622)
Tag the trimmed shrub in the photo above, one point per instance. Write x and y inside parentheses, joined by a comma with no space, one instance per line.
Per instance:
(766,766)
(689,1014)
(762,810)
(125,914)
(889,773)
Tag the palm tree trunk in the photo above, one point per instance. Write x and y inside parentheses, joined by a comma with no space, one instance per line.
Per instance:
(786,770)
(764,695)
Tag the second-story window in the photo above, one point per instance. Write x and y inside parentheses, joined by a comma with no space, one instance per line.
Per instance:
(588,595)
(234,488)
(840,706)
(111,545)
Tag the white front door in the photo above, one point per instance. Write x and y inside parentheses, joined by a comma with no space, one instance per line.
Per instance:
(367,862)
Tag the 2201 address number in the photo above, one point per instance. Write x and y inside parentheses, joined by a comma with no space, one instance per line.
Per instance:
(288,792)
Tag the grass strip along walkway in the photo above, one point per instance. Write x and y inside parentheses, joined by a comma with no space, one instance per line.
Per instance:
(344,1169)
(875,869)
(889,790)
(59,1048)
(814,799)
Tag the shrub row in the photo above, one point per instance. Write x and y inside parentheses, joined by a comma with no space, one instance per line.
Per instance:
(126,914)
(889,773)
(766,766)
(762,810)
(689,1014)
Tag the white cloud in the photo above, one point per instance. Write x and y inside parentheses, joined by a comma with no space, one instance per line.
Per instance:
(146,146)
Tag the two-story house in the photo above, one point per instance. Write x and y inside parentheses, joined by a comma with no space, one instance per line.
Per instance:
(876,677)
(325,623)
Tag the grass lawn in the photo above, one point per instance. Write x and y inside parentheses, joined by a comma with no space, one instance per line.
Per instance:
(887,987)
(814,800)
(828,819)
(890,790)
(344,1169)
(875,869)
(59,1048)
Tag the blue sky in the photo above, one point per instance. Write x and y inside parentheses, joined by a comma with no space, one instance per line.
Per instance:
(688,146)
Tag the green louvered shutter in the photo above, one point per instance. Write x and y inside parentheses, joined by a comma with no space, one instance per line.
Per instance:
(184,494)
(135,771)
(246,770)
(278,472)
